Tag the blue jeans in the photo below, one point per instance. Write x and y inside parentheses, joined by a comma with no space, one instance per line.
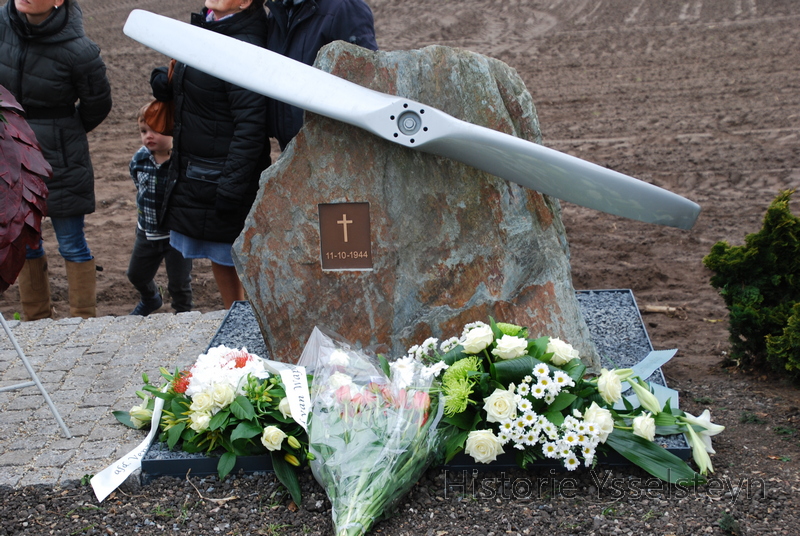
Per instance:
(71,241)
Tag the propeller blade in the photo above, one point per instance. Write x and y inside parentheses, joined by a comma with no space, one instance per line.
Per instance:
(411,124)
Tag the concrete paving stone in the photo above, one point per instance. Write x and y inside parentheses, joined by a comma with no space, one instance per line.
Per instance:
(30,399)
(65,357)
(17,457)
(57,334)
(97,358)
(65,397)
(93,450)
(54,458)
(109,381)
(17,373)
(109,433)
(62,443)
(79,429)
(8,416)
(11,476)
(98,399)
(94,414)
(41,476)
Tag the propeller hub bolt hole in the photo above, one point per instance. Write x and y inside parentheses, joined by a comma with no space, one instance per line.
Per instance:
(409,123)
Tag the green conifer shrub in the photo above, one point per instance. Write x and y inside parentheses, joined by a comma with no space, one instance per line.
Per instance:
(760,284)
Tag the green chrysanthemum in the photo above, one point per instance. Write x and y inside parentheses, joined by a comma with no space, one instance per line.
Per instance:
(510,329)
(457,397)
(457,384)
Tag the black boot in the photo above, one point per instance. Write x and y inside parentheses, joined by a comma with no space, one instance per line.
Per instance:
(148,305)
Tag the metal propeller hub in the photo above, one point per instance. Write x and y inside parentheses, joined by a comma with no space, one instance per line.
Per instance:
(409,122)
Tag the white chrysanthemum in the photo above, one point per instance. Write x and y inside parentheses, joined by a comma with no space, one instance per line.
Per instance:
(541,370)
(449,344)
(549,398)
(570,423)
(427,348)
(571,439)
(562,378)
(538,392)
(571,462)
(520,425)
(528,379)
(434,370)
(507,426)
(530,418)
(550,450)
(403,371)
(550,429)
(523,389)
(531,439)
(503,437)
(524,405)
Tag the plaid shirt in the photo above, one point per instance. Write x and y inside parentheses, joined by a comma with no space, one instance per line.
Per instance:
(151,180)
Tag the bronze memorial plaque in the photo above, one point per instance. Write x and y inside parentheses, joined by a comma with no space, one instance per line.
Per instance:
(344,236)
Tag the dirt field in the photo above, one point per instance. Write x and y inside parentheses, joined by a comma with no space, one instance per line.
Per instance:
(701,98)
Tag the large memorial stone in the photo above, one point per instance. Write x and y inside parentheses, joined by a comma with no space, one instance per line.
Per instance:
(440,244)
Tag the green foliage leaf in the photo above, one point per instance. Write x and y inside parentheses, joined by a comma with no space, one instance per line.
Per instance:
(219,420)
(513,370)
(242,408)
(246,430)
(226,464)
(654,459)
(125,418)
(287,475)
(384,364)
(562,401)
(174,434)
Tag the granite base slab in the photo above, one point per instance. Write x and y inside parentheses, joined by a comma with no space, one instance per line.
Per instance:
(615,325)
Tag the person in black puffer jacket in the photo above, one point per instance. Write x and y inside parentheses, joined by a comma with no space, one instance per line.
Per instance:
(49,65)
(220,148)
(298,29)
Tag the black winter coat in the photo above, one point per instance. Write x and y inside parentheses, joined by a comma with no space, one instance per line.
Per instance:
(220,142)
(49,68)
(314,24)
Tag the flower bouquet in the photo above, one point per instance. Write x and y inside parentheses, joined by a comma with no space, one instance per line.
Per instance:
(226,402)
(503,390)
(372,429)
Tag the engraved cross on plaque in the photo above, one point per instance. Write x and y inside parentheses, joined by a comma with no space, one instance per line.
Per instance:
(343,222)
(344,236)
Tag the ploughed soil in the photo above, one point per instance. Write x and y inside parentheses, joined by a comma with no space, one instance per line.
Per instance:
(701,98)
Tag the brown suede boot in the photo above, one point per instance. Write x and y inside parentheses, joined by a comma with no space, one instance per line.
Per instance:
(34,290)
(82,288)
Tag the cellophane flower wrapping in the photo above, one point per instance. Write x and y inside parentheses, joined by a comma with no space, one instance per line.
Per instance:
(372,429)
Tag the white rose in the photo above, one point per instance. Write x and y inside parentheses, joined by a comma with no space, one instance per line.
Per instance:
(338,359)
(483,446)
(602,418)
(645,426)
(285,409)
(477,339)
(501,405)
(339,379)
(509,347)
(563,352)
(609,385)
(199,421)
(222,394)
(203,401)
(272,437)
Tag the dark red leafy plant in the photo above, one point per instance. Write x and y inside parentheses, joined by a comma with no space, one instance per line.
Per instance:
(23,171)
